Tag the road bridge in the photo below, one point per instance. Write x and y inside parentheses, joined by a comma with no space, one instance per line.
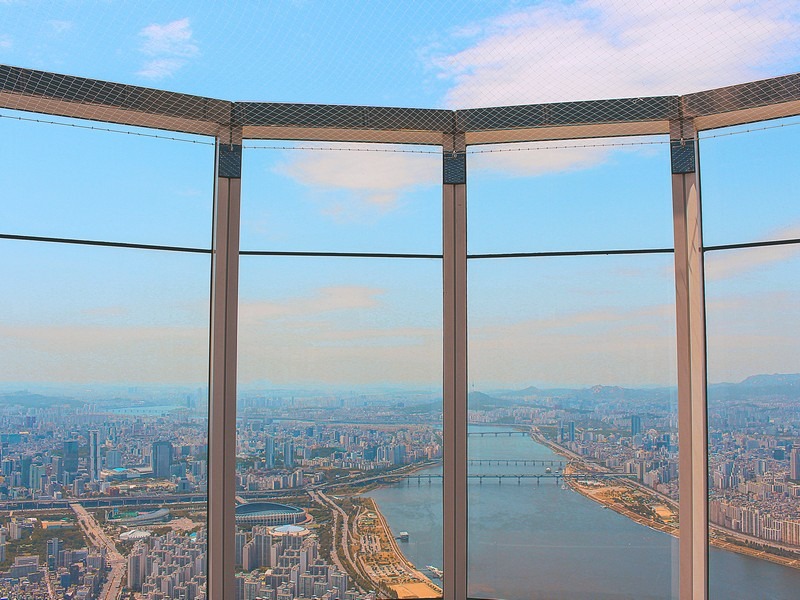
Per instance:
(497,433)
(517,462)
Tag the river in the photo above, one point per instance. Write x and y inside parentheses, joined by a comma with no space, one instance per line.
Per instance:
(530,541)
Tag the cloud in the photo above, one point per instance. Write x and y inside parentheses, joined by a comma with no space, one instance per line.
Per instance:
(5,42)
(751,333)
(536,158)
(104,353)
(593,49)
(322,301)
(169,47)
(336,335)
(596,49)
(372,179)
(726,264)
(59,26)
(611,345)
(161,67)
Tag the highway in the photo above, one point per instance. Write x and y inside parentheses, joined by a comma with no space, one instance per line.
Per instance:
(98,538)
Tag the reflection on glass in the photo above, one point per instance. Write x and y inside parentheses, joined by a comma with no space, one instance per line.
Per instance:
(103,422)
(339,435)
(753,329)
(80,183)
(749,179)
(329,197)
(573,445)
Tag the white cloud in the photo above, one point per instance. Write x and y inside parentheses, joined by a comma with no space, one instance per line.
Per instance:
(59,26)
(161,67)
(104,353)
(727,264)
(323,300)
(169,47)
(536,158)
(335,335)
(609,345)
(5,42)
(594,49)
(375,180)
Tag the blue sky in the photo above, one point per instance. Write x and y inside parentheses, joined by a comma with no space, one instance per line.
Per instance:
(109,315)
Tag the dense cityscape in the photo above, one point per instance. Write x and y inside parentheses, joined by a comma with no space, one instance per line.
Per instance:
(106,498)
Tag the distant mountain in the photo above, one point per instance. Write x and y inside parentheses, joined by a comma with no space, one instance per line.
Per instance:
(776,379)
(777,385)
(528,391)
(35,400)
(481,401)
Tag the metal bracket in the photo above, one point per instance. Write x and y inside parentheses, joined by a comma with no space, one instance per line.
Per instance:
(682,156)
(230,161)
(455,167)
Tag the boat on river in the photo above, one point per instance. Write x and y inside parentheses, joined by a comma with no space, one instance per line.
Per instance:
(438,573)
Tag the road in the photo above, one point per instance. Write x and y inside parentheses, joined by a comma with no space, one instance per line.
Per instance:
(98,538)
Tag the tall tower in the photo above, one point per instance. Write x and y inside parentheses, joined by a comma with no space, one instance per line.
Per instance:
(71,456)
(94,456)
(794,463)
(269,452)
(636,425)
(161,459)
(288,454)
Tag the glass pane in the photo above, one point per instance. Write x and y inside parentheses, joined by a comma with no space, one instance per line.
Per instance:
(573,445)
(545,197)
(341,197)
(103,420)
(749,179)
(340,432)
(753,328)
(73,182)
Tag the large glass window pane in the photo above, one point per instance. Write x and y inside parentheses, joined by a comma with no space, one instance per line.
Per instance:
(72,181)
(570,195)
(573,442)
(753,328)
(341,197)
(750,183)
(103,420)
(339,435)
(339,387)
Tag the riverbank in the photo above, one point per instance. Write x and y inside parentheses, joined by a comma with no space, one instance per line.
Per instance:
(623,497)
(382,560)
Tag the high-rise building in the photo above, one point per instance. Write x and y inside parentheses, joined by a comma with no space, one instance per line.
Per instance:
(269,452)
(71,456)
(571,431)
(288,454)
(161,459)
(113,459)
(53,548)
(94,456)
(136,568)
(794,463)
(636,425)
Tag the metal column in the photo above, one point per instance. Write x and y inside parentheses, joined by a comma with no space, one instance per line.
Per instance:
(222,367)
(691,343)
(454,218)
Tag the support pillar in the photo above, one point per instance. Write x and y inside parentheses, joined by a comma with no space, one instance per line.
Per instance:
(454,218)
(691,342)
(222,367)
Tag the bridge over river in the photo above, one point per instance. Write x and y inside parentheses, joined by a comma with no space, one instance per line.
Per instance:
(517,462)
(498,478)
(498,433)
